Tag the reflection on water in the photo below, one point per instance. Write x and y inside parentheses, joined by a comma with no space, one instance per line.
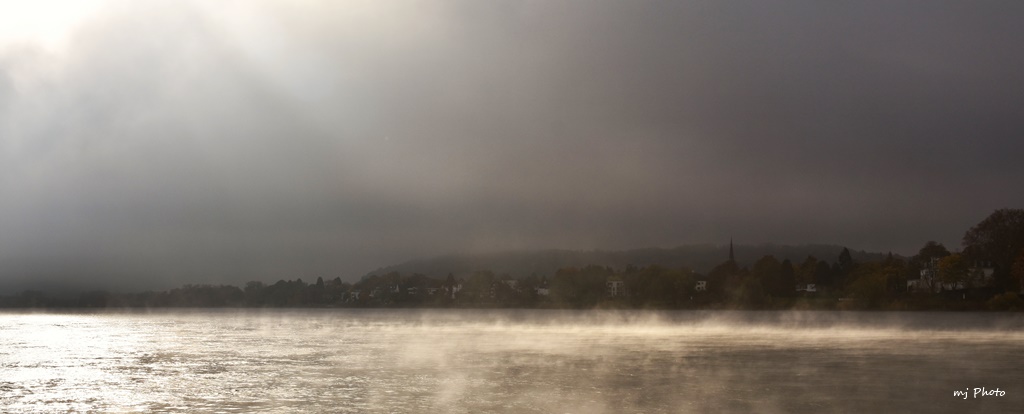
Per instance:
(509,361)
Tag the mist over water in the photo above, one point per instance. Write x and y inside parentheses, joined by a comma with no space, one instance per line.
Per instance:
(470,361)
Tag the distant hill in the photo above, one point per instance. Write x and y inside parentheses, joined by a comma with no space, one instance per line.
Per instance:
(701,258)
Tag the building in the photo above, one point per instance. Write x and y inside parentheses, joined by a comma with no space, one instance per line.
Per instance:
(807,287)
(451,290)
(979,274)
(615,287)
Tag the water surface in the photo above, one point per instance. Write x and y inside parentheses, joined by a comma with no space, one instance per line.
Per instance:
(471,361)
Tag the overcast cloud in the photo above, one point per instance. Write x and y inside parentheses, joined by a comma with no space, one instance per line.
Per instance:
(206,142)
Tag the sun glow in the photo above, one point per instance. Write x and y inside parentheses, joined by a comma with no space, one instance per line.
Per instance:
(43,23)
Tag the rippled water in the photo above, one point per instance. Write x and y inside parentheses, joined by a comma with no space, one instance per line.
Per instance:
(469,361)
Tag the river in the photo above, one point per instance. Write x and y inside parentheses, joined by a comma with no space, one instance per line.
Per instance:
(510,361)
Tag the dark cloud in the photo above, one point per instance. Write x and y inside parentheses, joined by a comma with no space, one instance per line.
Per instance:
(182,142)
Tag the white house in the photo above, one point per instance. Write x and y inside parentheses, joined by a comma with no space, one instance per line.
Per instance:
(451,290)
(806,287)
(980,274)
(615,287)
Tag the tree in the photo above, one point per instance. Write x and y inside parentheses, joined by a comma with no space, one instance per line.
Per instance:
(480,285)
(868,283)
(954,272)
(998,239)
(931,250)
(786,286)
(823,275)
(724,278)
(806,272)
(658,286)
(254,293)
(1008,301)
(750,293)
(1017,274)
(897,273)
(768,272)
(845,261)
(844,265)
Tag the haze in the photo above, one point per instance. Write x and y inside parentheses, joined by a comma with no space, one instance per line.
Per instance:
(149,144)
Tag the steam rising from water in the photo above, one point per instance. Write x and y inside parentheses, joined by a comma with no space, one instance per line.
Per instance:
(506,361)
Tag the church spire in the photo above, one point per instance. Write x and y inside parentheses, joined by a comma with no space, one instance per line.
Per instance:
(732,258)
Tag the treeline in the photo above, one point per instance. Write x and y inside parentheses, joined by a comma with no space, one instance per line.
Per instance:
(769,284)
(986,275)
(699,257)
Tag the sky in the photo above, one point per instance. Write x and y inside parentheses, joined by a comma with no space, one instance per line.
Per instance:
(150,144)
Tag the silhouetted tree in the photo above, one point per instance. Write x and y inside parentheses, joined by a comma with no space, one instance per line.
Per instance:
(1017,273)
(255,293)
(580,287)
(767,270)
(724,278)
(823,275)
(868,283)
(94,299)
(786,285)
(998,238)
(845,260)
(897,274)
(954,272)
(659,286)
(806,272)
(931,250)
(843,267)
(479,287)
(750,294)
